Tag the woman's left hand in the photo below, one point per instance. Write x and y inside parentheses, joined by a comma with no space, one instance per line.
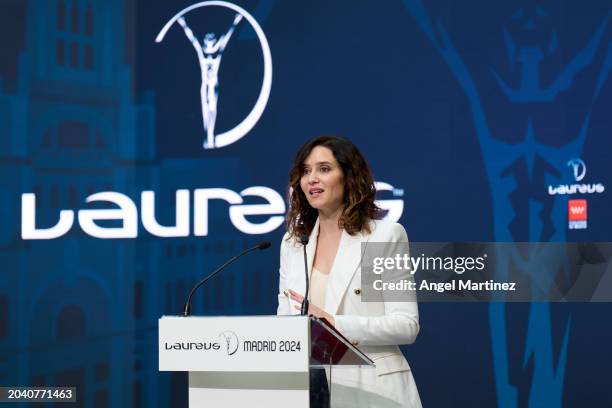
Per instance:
(312,309)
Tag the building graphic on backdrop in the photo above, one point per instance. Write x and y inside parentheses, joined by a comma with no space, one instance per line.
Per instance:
(73,128)
(209,51)
(80,310)
(519,172)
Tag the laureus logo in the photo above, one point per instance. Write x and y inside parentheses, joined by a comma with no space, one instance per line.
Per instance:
(209,48)
(231,341)
(578,171)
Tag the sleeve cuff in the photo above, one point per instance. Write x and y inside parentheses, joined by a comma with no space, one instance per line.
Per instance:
(344,326)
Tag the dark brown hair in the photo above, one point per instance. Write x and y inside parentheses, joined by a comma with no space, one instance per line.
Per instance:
(359,191)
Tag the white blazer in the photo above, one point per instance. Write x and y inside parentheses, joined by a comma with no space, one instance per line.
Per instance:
(376,328)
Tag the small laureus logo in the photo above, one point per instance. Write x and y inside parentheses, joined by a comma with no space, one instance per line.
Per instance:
(209,49)
(578,167)
(231,341)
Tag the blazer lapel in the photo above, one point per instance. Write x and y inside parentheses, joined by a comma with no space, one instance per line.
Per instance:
(346,263)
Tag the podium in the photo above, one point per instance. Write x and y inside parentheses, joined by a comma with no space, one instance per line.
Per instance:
(252,361)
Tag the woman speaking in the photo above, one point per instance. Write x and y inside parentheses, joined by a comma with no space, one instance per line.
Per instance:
(331,194)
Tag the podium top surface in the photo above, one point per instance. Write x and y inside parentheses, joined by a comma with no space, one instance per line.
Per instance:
(329,347)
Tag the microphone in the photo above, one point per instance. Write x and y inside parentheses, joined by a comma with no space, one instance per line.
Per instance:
(261,245)
(304,310)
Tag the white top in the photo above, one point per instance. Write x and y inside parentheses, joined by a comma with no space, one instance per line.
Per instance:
(318,288)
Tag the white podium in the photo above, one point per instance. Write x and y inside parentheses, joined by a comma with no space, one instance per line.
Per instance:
(251,361)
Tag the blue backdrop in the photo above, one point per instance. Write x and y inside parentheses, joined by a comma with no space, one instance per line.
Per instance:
(470,110)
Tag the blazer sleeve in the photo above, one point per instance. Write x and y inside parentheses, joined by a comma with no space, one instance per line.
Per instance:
(284,307)
(400,322)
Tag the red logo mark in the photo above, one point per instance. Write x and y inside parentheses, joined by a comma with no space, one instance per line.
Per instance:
(577,210)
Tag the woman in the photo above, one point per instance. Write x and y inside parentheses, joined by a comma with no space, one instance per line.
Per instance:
(332,201)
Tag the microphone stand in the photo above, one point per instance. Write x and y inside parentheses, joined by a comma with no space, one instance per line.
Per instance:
(187,309)
(304,310)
